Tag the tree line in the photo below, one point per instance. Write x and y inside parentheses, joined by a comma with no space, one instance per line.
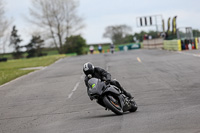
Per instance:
(72,44)
(121,34)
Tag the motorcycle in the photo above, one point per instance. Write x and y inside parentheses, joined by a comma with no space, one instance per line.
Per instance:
(110,97)
(112,50)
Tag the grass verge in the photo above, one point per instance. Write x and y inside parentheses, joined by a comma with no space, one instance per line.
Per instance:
(11,69)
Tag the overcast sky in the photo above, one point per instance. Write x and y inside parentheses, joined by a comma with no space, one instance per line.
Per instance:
(99,14)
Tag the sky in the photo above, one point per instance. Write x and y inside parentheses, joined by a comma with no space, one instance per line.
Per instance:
(98,14)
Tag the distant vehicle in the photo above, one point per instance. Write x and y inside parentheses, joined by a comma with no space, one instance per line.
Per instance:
(112,48)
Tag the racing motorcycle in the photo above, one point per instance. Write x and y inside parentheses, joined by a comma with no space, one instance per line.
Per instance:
(110,97)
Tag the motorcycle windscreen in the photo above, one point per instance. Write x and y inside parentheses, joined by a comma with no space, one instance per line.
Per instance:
(95,86)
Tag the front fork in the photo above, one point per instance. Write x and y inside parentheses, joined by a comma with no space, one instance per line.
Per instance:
(125,103)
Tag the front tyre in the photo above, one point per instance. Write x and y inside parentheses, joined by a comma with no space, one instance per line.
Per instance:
(112,105)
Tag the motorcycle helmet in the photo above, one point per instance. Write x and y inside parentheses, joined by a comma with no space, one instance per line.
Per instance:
(88,68)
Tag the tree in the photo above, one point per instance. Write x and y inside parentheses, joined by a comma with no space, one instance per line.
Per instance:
(75,44)
(4,24)
(15,41)
(58,18)
(34,48)
(140,36)
(128,39)
(117,33)
(196,33)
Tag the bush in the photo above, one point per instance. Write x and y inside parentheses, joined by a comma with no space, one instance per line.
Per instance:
(75,44)
(3,59)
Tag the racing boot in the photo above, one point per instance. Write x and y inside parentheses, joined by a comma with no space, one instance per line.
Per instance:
(128,94)
(115,82)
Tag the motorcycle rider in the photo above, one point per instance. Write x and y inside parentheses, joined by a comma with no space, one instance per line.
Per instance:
(102,74)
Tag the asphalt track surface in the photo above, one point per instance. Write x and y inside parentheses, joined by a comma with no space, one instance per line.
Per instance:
(166,87)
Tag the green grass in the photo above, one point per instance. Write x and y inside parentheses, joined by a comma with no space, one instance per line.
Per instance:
(51,52)
(12,68)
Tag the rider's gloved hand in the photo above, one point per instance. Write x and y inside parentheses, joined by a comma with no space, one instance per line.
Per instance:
(104,78)
(107,82)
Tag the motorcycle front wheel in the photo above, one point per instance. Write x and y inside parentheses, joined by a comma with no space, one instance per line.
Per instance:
(112,104)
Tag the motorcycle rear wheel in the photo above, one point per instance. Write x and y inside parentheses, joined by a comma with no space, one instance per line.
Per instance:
(116,108)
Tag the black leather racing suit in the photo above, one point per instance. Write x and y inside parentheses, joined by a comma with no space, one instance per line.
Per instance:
(105,76)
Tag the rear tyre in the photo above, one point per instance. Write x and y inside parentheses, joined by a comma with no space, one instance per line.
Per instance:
(134,106)
(114,107)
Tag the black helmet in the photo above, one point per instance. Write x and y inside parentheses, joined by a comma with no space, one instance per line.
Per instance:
(88,68)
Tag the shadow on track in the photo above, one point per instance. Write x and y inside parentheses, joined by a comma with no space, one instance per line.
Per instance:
(106,115)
